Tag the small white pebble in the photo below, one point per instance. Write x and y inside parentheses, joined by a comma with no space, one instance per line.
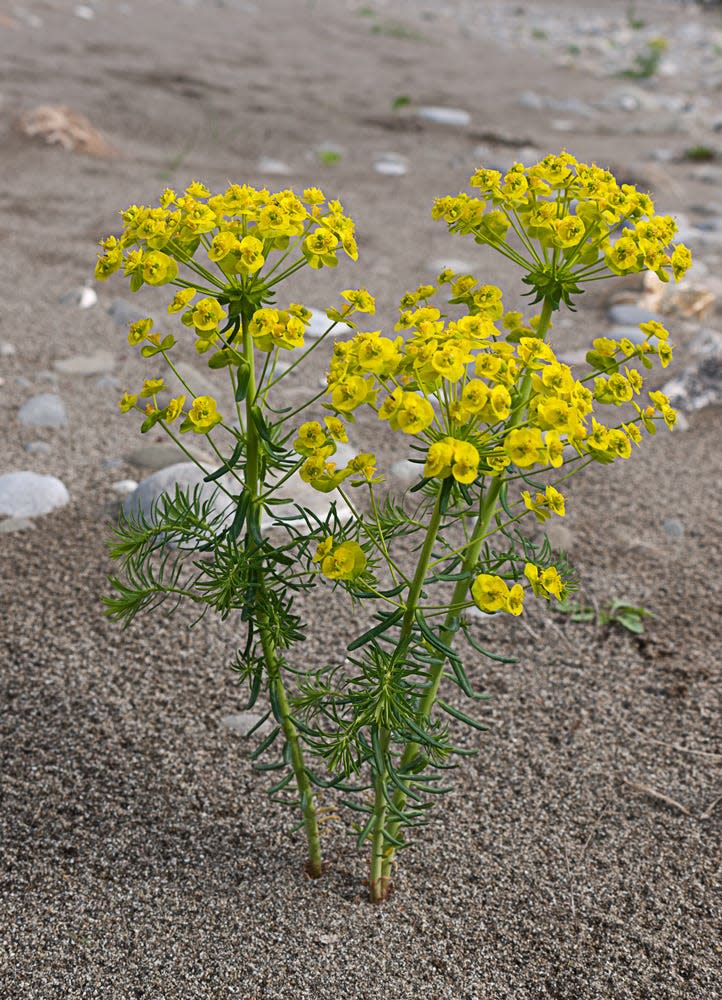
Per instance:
(124,487)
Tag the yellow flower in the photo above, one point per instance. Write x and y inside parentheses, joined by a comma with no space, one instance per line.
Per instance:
(346,562)
(158,268)
(127,402)
(619,443)
(439,459)
(360,299)
(490,592)
(524,446)
(174,408)
(206,315)
(202,417)
(336,429)
(555,501)
(351,392)
(450,362)
(475,396)
(466,462)
(515,600)
(311,439)
(555,449)
(181,299)
(250,255)
(681,260)
(552,582)
(151,387)
(138,331)
(323,548)
(415,413)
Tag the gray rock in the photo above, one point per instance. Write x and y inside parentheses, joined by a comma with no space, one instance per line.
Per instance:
(44,410)
(405,471)
(632,333)
(243,723)
(319,323)
(108,382)
(82,297)
(159,456)
(7,350)
(391,165)
(123,487)
(27,494)
(444,116)
(276,168)
(186,477)
(124,313)
(98,363)
(200,382)
(38,448)
(296,492)
(12,524)
(707,343)
(674,528)
(624,314)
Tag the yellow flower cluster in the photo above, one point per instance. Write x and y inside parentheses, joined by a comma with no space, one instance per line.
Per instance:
(345,561)
(201,417)
(318,443)
(459,385)
(572,221)
(237,230)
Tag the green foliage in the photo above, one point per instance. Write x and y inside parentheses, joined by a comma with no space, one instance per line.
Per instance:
(617,612)
(646,62)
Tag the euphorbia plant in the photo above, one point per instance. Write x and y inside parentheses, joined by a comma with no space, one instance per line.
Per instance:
(495,422)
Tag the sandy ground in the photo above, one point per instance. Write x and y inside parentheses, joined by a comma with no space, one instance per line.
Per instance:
(140,855)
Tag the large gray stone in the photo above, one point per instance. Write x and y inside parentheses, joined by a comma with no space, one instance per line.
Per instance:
(45,410)
(124,313)
(98,363)
(28,494)
(164,453)
(625,314)
(183,475)
(632,333)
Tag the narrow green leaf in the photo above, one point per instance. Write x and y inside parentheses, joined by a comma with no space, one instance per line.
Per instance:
(382,626)
(461,716)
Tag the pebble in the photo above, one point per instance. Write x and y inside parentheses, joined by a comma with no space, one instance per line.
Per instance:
(674,528)
(632,333)
(28,494)
(444,116)
(319,323)
(277,168)
(83,297)
(38,448)
(201,382)
(12,524)
(123,487)
(707,343)
(405,471)
(84,12)
(7,350)
(108,382)
(159,456)
(243,723)
(123,313)
(99,363)
(624,314)
(391,165)
(44,410)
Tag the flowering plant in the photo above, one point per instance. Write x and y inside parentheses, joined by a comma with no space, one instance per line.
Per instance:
(496,424)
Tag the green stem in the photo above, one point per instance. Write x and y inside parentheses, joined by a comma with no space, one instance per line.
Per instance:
(273,665)
(487,509)
(379,882)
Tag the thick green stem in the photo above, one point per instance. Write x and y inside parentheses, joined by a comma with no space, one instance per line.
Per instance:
(380,882)
(279,695)
(487,509)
